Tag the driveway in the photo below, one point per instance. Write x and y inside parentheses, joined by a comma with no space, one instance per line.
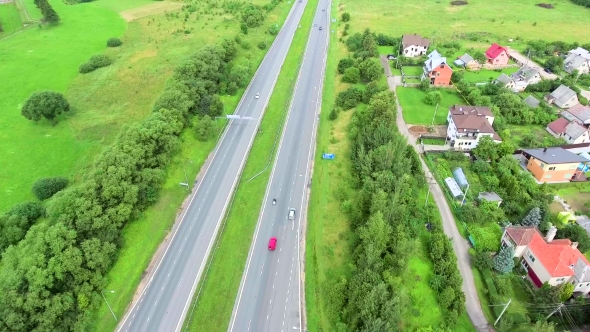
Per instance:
(460,245)
(523,60)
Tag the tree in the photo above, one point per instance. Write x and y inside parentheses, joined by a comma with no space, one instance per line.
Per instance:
(457,76)
(483,261)
(47,187)
(252,16)
(575,233)
(205,128)
(114,42)
(433,97)
(533,218)
(351,75)
(554,63)
(370,69)
(344,64)
(45,104)
(424,85)
(480,57)
(486,149)
(345,17)
(542,326)
(49,15)
(333,114)
(503,262)
(273,29)
(566,291)
(262,45)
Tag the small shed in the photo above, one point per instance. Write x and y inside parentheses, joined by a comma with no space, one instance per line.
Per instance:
(490,197)
(454,187)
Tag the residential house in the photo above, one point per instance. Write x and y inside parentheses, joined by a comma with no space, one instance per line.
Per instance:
(572,132)
(468,124)
(578,59)
(497,55)
(579,113)
(466,61)
(548,260)
(414,45)
(436,70)
(506,81)
(562,97)
(531,101)
(490,197)
(553,164)
(525,76)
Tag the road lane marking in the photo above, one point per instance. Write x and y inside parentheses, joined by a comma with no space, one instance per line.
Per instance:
(155,303)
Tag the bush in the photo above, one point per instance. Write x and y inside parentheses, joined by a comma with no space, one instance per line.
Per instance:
(432,98)
(262,45)
(114,42)
(95,62)
(351,75)
(343,64)
(45,104)
(333,114)
(345,17)
(424,85)
(483,261)
(273,29)
(502,284)
(204,128)
(503,261)
(349,98)
(47,187)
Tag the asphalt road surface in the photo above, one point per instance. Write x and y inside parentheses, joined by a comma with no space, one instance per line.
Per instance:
(269,295)
(163,304)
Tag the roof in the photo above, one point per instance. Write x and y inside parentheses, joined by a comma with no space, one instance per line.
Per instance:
(414,39)
(474,123)
(489,196)
(522,235)
(467,109)
(494,51)
(525,73)
(562,94)
(504,79)
(558,126)
(582,271)
(454,187)
(434,60)
(573,62)
(574,130)
(532,101)
(434,54)
(580,112)
(555,155)
(556,256)
(581,52)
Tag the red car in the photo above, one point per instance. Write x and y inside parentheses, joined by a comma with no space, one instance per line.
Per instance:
(272,244)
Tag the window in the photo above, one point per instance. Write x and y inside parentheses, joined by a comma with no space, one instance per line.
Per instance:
(572,167)
(588,284)
(552,168)
(567,176)
(530,256)
(580,285)
(542,165)
(560,280)
(548,176)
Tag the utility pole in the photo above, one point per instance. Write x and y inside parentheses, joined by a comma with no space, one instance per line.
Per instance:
(108,305)
(506,307)
(554,311)
(434,116)
(465,194)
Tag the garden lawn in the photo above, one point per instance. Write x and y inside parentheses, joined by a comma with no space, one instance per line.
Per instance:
(503,19)
(413,70)
(415,111)
(484,75)
(9,19)
(517,132)
(577,195)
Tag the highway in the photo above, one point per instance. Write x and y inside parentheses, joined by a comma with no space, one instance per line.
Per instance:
(164,302)
(269,295)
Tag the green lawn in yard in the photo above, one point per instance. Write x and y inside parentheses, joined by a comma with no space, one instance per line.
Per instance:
(394,71)
(504,19)
(433,141)
(517,132)
(484,75)
(577,195)
(9,19)
(385,50)
(413,70)
(212,310)
(415,111)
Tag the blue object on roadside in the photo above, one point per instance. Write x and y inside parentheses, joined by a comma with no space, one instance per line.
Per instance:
(329,156)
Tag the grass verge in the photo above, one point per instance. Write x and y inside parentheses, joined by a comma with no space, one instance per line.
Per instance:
(212,310)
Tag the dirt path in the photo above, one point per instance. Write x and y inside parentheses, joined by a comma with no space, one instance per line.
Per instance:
(460,245)
(151,9)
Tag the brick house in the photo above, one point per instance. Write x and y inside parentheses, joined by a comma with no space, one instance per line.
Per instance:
(414,45)
(497,55)
(436,70)
(548,260)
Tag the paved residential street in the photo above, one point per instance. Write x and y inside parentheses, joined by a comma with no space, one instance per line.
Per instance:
(523,60)
(460,245)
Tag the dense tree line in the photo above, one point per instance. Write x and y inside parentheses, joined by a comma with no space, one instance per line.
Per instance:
(16,222)
(49,15)
(585,3)
(51,280)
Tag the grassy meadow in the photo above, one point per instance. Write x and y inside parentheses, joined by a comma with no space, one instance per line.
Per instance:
(9,19)
(415,111)
(504,19)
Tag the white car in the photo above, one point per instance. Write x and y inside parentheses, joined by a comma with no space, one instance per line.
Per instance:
(257,95)
(291,214)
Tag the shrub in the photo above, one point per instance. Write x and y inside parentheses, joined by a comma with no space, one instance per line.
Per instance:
(273,29)
(343,64)
(503,261)
(502,284)
(483,261)
(424,85)
(45,104)
(333,114)
(345,17)
(262,45)
(95,62)
(204,128)
(351,75)
(114,42)
(349,98)
(47,187)
(432,98)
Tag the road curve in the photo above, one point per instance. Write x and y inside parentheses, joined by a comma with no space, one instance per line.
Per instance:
(163,304)
(269,295)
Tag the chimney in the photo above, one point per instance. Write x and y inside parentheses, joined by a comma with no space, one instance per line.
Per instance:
(545,149)
(551,234)
(574,245)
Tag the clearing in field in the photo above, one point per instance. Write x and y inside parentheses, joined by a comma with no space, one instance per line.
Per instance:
(151,9)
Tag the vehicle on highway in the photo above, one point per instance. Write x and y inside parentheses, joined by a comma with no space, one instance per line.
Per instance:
(272,244)
(257,95)
(291,214)
(274,201)
(320,28)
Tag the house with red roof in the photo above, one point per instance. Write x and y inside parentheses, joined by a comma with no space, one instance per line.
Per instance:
(497,55)
(548,260)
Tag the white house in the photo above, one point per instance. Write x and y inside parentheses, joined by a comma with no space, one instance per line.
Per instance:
(414,45)
(572,131)
(525,76)
(468,124)
(578,59)
(562,97)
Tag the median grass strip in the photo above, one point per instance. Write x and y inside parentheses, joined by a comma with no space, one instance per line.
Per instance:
(214,306)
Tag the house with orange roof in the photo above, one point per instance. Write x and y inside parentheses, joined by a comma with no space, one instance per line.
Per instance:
(548,260)
(497,55)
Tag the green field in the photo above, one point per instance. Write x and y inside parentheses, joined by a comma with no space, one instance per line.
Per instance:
(415,111)
(9,19)
(503,19)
